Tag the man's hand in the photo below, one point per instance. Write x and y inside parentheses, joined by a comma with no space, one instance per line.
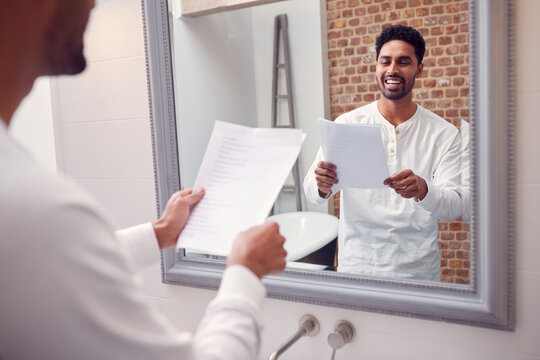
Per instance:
(175,216)
(407,184)
(326,177)
(260,249)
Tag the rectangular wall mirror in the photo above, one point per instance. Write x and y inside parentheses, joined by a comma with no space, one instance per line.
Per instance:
(220,67)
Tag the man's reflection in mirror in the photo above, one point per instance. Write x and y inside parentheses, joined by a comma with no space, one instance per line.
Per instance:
(393,231)
(465,130)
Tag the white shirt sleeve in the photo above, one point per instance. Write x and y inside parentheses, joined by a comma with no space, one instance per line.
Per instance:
(141,243)
(73,293)
(465,170)
(233,319)
(443,198)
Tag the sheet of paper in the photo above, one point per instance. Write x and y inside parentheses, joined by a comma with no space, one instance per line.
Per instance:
(242,172)
(357,151)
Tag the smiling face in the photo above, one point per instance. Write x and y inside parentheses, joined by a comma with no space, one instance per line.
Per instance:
(396,70)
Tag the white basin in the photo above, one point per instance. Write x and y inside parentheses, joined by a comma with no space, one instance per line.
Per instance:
(305,232)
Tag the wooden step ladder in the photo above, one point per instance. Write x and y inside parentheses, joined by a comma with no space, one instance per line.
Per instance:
(281,33)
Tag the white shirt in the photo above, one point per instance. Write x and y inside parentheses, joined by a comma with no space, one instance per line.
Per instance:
(465,131)
(381,233)
(69,289)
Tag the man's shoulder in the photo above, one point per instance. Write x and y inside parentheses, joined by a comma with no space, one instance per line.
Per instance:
(435,121)
(435,118)
(28,187)
(39,206)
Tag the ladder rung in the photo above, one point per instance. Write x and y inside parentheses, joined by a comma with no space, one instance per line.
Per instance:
(281,66)
(288,188)
(282,96)
(283,126)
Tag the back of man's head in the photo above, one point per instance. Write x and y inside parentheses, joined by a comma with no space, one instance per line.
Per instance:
(404,33)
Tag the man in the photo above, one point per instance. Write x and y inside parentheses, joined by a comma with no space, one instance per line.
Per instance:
(69,289)
(465,131)
(392,232)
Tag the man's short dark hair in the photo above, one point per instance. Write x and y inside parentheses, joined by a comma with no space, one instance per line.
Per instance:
(404,33)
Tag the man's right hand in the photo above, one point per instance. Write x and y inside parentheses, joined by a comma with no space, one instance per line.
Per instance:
(326,177)
(260,249)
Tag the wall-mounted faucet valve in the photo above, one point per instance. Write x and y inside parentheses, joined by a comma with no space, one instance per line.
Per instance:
(343,333)
(309,326)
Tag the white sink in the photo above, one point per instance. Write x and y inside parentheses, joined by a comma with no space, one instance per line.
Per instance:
(305,232)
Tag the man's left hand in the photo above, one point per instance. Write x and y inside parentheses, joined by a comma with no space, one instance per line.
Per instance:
(407,184)
(175,216)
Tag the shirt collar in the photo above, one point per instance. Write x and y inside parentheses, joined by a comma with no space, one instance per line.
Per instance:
(404,125)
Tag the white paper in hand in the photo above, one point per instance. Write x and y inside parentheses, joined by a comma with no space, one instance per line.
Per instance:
(242,172)
(358,153)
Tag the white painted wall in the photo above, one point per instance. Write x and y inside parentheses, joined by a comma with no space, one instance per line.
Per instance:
(107,110)
(32,125)
(306,29)
(213,81)
(102,116)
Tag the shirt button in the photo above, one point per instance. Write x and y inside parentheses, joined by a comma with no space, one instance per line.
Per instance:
(397,132)
(393,141)
(392,151)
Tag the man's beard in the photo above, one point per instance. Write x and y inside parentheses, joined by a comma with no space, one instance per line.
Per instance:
(65,61)
(391,95)
(63,45)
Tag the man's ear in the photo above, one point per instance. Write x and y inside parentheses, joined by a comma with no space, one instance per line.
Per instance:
(419,70)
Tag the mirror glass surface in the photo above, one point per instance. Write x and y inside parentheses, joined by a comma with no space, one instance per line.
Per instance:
(223,70)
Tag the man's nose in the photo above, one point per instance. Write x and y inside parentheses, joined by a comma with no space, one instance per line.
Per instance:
(392,69)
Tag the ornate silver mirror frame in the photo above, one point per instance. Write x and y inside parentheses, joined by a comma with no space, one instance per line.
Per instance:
(488,300)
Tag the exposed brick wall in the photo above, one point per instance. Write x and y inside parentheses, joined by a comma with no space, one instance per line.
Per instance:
(443,88)
(454,246)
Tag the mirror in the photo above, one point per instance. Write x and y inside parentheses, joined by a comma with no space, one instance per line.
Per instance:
(229,58)
(485,297)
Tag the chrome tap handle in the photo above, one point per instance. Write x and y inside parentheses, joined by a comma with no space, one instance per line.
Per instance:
(343,334)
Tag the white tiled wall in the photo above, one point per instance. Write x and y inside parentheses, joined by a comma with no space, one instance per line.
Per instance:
(102,115)
(32,125)
(105,109)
